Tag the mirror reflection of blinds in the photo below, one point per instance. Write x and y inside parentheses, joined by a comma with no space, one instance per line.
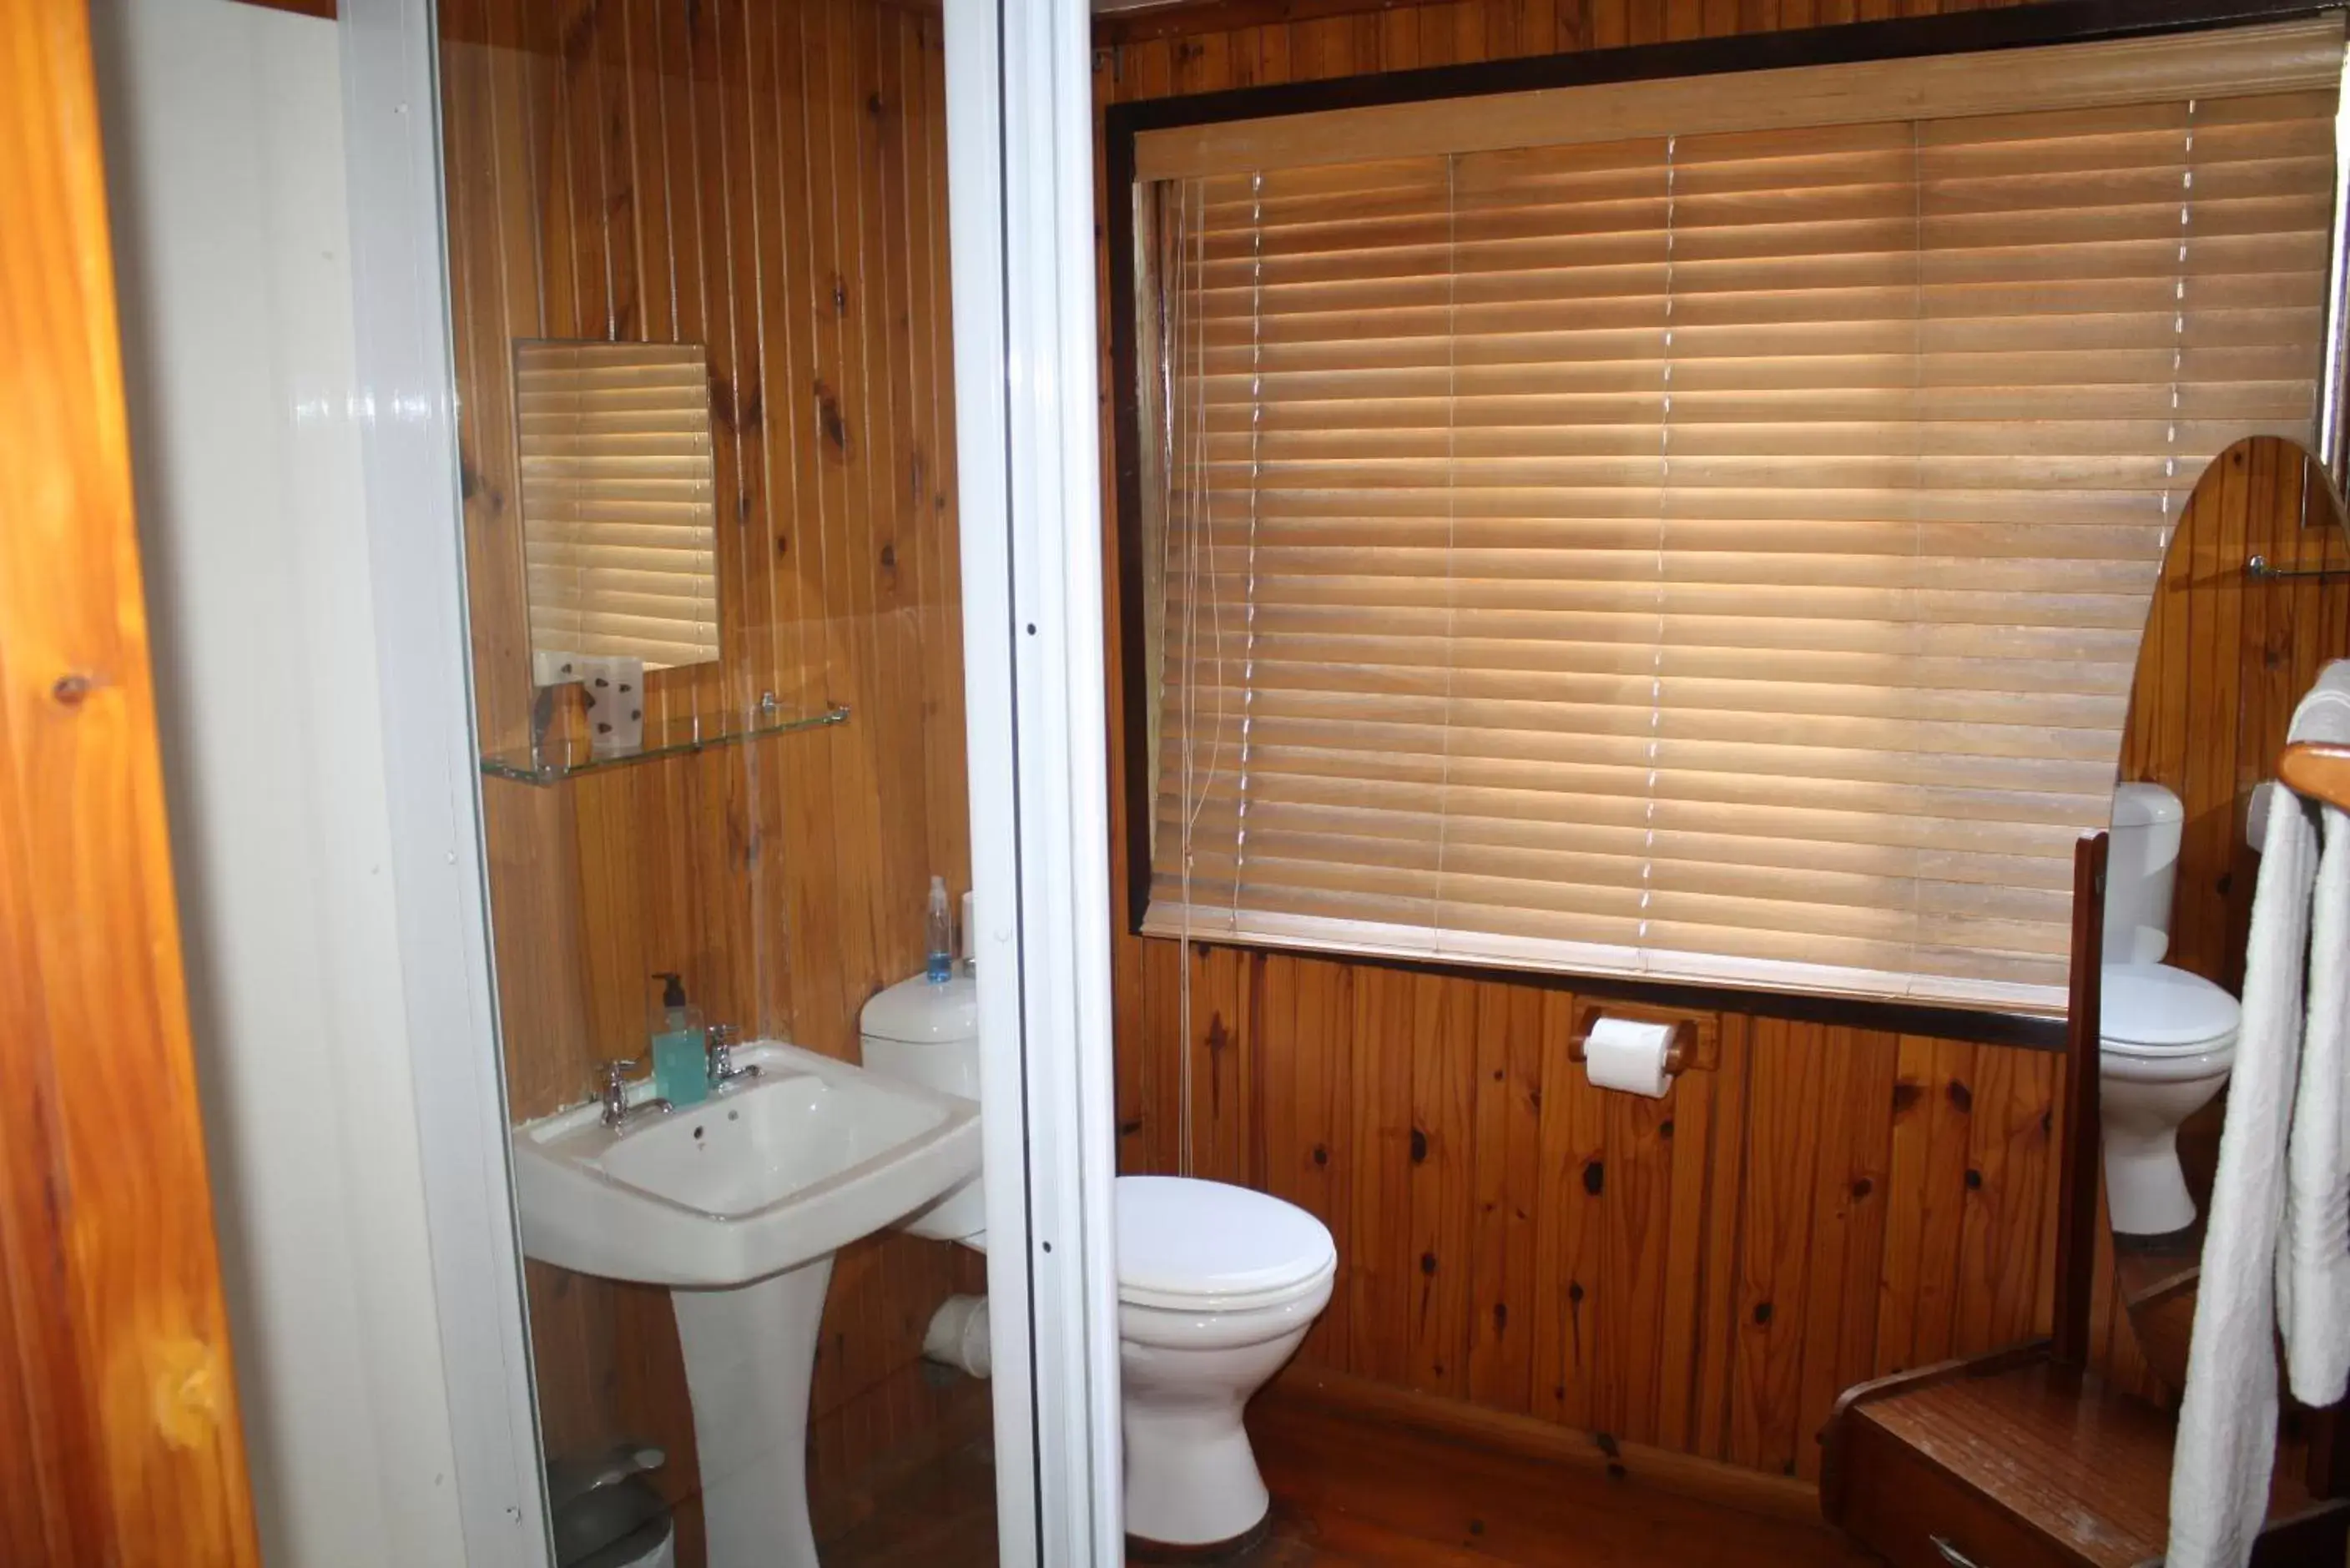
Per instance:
(1718,557)
(619,500)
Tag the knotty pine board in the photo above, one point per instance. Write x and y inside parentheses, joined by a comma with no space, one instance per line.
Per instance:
(1825,1206)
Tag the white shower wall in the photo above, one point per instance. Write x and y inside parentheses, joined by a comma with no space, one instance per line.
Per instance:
(226,184)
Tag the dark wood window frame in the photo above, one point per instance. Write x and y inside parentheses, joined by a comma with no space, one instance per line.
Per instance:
(2022,26)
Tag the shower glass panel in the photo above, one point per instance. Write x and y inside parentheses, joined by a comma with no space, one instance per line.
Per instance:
(711,833)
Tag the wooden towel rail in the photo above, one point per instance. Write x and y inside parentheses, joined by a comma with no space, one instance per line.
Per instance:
(2319,772)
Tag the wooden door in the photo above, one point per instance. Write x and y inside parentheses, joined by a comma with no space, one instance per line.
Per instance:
(119,1436)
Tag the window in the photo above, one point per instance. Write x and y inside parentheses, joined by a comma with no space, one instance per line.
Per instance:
(1700,529)
(618,503)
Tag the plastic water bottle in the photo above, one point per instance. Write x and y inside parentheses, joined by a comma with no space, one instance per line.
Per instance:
(939,927)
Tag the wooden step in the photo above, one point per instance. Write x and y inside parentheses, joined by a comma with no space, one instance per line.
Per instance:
(2012,1461)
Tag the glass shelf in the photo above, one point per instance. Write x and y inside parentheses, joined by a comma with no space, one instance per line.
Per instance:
(557,758)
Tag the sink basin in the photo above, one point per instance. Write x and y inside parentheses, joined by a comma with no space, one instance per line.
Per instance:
(773,1173)
(737,1205)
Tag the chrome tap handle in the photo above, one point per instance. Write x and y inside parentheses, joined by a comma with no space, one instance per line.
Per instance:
(719,1041)
(614,1093)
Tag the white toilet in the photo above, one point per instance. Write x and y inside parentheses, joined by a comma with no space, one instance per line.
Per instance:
(1216,1286)
(2167,1037)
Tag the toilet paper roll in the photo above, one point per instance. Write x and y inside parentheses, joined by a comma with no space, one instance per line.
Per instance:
(1623,1053)
(2256,815)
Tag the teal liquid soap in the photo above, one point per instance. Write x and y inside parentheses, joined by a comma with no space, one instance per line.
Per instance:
(680,1069)
(680,1061)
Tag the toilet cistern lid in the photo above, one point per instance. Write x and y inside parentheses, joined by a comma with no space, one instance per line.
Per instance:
(2153,1005)
(1182,1240)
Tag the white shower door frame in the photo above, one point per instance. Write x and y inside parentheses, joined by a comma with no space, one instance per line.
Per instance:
(1020,156)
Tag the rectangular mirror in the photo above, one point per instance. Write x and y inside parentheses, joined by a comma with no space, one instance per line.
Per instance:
(619,515)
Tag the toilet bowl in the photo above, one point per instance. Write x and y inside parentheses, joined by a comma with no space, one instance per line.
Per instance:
(2167,1039)
(1216,1286)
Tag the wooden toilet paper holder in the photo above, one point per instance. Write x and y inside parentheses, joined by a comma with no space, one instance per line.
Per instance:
(1694,1046)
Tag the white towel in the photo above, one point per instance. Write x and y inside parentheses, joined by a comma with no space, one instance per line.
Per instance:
(2227,1419)
(2314,1264)
(2313,1261)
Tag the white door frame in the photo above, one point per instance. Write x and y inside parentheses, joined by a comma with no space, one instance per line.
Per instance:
(1020,197)
(407,419)
(1021,221)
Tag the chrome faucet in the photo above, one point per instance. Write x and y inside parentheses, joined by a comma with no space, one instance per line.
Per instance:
(719,1041)
(617,1112)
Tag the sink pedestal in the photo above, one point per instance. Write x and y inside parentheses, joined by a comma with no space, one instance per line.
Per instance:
(750,1356)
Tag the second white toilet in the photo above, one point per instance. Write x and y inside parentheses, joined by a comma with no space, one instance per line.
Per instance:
(2166,1037)
(1217,1284)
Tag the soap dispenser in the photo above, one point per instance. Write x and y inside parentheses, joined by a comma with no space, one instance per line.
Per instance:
(681,1067)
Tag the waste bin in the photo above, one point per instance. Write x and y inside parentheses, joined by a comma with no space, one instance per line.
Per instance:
(607,1514)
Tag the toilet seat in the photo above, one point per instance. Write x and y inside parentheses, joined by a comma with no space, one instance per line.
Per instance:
(1185,1245)
(2151,1011)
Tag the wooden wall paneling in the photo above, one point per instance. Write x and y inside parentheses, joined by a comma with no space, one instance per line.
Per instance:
(892,561)
(1634,1208)
(1785,1107)
(1860,1188)
(1278,1122)
(833,293)
(2264,501)
(1223,1078)
(1383,1270)
(1153,1113)
(797,860)
(1718,1297)
(1691,1123)
(2010,1171)
(924,96)
(1567,1246)
(1924,1170)
(1320,1061)
(1847,1229)
(2216,551)
(1507,1184)
(1442,1173)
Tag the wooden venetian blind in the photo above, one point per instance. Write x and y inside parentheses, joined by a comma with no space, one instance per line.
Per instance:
(619,503)
(1702,530)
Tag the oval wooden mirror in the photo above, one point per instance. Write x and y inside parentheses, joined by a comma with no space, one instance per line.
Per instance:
(2230,648)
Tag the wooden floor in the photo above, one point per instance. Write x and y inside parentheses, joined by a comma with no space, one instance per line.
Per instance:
(1349,1491)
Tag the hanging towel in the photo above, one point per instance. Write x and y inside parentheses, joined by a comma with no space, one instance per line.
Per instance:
(2313,1260)
(2227,1419)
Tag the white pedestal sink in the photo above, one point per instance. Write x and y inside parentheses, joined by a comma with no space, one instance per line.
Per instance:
(738,1204)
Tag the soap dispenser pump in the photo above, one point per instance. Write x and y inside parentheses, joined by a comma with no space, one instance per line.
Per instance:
(681,1069)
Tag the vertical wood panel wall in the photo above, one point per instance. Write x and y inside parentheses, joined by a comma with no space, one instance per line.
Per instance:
(767,180)
(1706,1272)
